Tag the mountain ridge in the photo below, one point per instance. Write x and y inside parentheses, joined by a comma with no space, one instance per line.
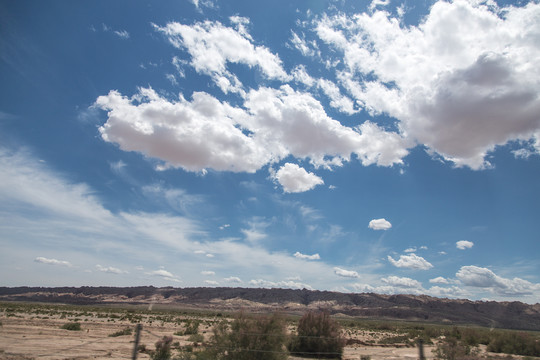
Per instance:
(508,314)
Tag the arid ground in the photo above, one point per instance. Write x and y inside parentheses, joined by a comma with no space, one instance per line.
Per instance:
(34,331)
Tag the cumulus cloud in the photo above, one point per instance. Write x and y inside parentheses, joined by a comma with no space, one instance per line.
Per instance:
(233,279)
(261,283)
(212,46)
(401,282)
(393,285)
(475,276)
(461,82)
(411,261)
(346,273)
(379,224)
(464,244)
(438,280)
(47,261)
(208,273)
(306,257)
(448,292)
(110,270)
(164,274)
(211,282)
(295,179)
(206,133)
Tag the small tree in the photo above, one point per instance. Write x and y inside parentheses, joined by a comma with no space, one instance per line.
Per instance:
(318,336)
(248,338)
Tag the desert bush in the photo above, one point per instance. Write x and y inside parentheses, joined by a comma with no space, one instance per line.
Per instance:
(196,338)
(450,348)
(248,338)
(317,336)
(515,343)
(163,349)
(126,331)
(192,327)
(72,326)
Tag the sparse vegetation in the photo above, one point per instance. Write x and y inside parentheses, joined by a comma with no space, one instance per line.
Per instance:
(248,338)
(126,331)
(318,336)
(236,333)
(163,349)
(72,326)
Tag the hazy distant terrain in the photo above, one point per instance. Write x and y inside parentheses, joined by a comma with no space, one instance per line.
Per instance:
(509,315)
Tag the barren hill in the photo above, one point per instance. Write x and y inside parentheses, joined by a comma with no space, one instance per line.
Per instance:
(510,315)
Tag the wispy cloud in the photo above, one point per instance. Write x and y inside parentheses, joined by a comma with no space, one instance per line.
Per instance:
(307,257)
(47,261)
(110,270)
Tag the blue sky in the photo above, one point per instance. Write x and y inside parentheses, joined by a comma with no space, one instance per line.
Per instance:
(382,146)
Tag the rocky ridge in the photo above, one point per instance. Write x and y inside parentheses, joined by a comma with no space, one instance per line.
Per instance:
(509,315)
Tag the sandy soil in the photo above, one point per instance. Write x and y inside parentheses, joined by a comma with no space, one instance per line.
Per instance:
(26,336)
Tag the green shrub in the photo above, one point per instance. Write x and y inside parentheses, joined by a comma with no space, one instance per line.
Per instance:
(515,343)
(126,331)
(72,326)
(317,336)
(192,327)
(196,338)
(248,338)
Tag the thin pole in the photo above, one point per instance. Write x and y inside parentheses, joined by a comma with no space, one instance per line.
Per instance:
(137,336)
(421,349)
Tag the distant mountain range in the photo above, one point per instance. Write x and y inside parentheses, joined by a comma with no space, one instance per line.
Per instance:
(509,315)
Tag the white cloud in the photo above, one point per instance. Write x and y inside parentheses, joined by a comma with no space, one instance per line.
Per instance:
(337,99)
(206,133)
(295,179)
(480,57)
(47,261)
(208,273)
(43,210)
(479,277)
(306,257)
(165,275)
(393,285)
(123,34)
(438,280)
(256,231)
(402,282)
(300,75)
(161,272)
(261,283)
(346,273)
(379,224)
(193,135)
(411,261)
(410,250)
(233,279)
(212,46)
(448,292)
(211,282)
(305,47)
(288,122)
(110,270)
(464,244)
